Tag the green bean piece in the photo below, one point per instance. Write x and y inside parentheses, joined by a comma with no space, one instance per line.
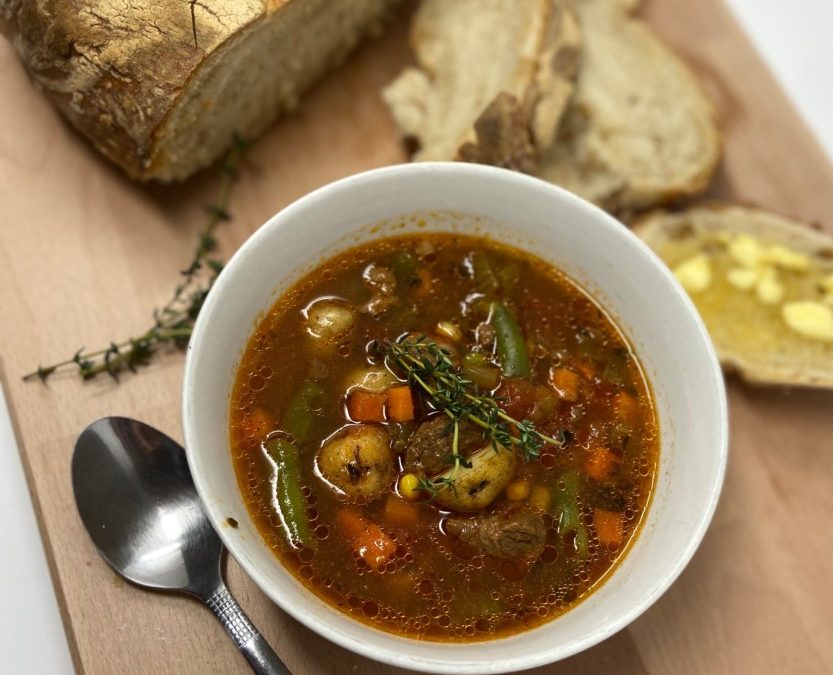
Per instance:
(286,491)
(404,265)
(567,512)
(511,348)
(508,277)
(479,369)
(485,278)
(300,415)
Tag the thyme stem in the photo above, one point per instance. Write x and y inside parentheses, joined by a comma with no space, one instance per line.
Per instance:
(174,322)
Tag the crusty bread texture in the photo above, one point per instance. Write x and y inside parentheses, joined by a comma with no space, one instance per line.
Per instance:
(639,131)
(750,333)
(161,86)
(470,52)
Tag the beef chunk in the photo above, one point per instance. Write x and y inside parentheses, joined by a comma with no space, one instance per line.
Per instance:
(517,533)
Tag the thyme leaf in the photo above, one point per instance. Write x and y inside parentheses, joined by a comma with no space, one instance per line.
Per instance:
(173,323)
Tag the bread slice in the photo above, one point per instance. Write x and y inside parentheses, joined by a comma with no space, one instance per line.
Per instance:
(468,52)
(161,87)
(767,273)
(639,132)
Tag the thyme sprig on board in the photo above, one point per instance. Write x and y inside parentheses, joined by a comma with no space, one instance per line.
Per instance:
(173,323)
(427,366)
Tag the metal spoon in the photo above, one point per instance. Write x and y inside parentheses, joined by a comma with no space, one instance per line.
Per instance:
(137,500)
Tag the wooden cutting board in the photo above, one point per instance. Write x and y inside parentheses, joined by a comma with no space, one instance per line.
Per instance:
(85,255)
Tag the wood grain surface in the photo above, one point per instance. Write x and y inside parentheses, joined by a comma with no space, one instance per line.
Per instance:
(85,255)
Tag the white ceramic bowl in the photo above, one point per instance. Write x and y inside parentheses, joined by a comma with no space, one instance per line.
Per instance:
(593,248)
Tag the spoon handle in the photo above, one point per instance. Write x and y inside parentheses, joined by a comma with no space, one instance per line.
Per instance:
(261,657)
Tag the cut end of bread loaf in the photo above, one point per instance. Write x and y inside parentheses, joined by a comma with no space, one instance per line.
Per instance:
(162,88)
(640,131)
(457,76)
(747,324)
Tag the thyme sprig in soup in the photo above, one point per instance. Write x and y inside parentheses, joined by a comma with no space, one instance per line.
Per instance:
(443,437)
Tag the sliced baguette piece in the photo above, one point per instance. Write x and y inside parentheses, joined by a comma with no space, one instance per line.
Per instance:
(767,272)
(459,75)
(161,87)
(639,132)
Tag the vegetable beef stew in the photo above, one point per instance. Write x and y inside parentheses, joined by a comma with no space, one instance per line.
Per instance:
(443,437)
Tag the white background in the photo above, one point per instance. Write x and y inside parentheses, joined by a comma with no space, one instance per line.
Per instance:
(794,39)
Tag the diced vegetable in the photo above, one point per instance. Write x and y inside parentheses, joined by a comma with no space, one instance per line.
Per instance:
(511,348)
(425,282)
(367,539)
(400,513)
(400,404)
(477,367)
(257,424)
(508,276)
(364,406)
(540,498)
(626,408)
(610,526)
(449,330)
(287,490)
(616,367)
(409,487)
(517,490)
(300,415)
(358,461)
(404,265)
(566,383)
(567,511)
(600,463)
(329,321)
(375,379)
(485,278)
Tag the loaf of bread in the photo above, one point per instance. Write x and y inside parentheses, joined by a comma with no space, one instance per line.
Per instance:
(161,86)
(512,62)
(639,131)
(763,284)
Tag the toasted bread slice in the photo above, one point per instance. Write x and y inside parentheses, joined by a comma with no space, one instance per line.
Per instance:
(457,76)
(639,132)
(763,284)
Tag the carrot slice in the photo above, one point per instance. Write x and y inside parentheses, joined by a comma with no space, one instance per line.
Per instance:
(257,424)
(610,526)
(400,513)
(600,463)
(364,406)
(566,383)
(400,404)
(374,546)
(367,539)
(626,407)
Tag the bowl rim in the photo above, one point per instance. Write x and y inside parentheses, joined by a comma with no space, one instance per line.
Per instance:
(367,648)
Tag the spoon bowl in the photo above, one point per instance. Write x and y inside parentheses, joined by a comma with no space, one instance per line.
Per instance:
(136,498)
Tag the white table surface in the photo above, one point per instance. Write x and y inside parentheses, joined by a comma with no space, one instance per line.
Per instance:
(794,39)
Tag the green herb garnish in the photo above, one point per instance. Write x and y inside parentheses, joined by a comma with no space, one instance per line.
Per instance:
(427,366)
(174,322)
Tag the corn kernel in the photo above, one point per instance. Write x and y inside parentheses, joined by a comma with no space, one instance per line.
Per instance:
(409,487)
(811,319)
(695,274)
(517,490)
